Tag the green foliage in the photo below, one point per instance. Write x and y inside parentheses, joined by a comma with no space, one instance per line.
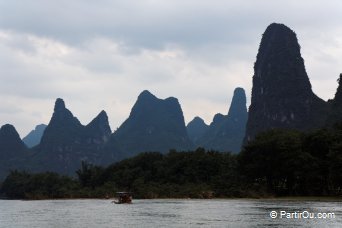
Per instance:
(176,174)
(90,175)
(38,186)
(288,162)
(197,174)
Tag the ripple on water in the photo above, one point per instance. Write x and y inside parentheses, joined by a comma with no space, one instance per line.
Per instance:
(162,213)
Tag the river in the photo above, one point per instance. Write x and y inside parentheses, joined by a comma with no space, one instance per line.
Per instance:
(170,213)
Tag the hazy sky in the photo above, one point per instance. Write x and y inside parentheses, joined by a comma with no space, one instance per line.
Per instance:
(101,54)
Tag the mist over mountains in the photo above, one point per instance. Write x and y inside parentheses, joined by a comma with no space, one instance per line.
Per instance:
(281,98)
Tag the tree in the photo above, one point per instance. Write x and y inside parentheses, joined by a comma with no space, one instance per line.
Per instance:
(90,175)
(275,157)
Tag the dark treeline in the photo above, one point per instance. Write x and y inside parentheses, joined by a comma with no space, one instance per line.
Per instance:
(276,163)
(288,162)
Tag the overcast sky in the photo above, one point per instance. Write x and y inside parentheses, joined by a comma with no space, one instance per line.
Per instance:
(99,55)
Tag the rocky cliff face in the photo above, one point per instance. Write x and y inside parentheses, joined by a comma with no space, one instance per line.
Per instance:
(66,142)
(281,94)
(226,132)
(62,129)
(12,150)
(98,130)
(34,137)
(335,114)
(11,145)
(196,128)
(153,125)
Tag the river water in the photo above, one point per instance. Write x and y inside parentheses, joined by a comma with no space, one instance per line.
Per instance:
(169,213)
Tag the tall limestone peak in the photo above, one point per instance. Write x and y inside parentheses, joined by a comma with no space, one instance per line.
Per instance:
(238,108)
(281,94)
(12,150)
(335,115)
(11,145)
(196,128)
(146,95)
(62,115)
(8,131)
(62,126)
(99,128)
(101,121)
(34,137)
(59,105)
(279,62)
(66,142)
(226,132)
(153,125)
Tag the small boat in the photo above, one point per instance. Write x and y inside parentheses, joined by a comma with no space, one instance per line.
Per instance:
(123,197)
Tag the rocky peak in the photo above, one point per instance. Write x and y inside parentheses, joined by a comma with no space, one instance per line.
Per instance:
(62,115)
(99,126)
(40,127)
(153,125)
(146,96)
(10,143)
(226,132)
(238,107)
(66,142)
(218,118)
(197,121)
(59,105)
(34,137)
(100,119)
(281,94)
(279,62)
(196,129)
(62,126)
(8,130)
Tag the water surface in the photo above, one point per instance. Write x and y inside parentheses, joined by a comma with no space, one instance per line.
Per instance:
(164,213)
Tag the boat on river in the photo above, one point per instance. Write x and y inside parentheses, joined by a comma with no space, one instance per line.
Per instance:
(123,197)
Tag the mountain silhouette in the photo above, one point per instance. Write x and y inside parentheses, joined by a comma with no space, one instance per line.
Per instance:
(153,125)
(226,132)
(282,96)
(66,142)
(12,150)
(33,138)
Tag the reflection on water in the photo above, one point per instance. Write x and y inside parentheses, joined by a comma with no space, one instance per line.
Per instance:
(162,213)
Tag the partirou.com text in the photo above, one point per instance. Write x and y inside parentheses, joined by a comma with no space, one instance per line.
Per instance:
(301,215)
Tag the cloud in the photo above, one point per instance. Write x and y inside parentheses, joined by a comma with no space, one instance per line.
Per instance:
(100,74)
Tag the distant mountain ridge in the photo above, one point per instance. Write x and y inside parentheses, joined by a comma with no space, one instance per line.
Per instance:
(196,128)
(34,137)
(226,132)
(66,142)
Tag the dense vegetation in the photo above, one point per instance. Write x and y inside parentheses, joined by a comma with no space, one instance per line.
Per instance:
(287,162)
(276,163)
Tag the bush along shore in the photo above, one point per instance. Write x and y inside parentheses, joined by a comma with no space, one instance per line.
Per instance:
(275,163)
